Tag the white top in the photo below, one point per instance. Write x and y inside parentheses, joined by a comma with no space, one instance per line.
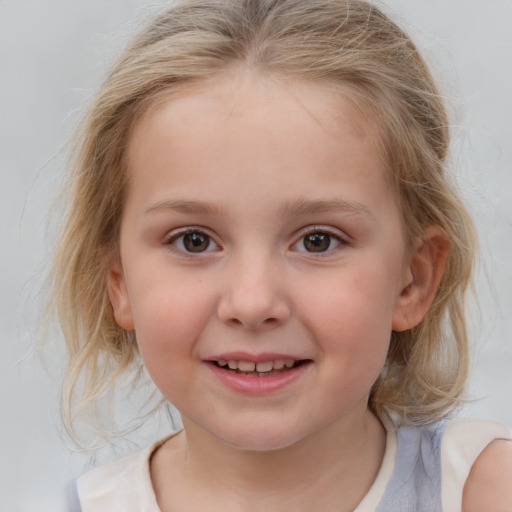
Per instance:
(125,485)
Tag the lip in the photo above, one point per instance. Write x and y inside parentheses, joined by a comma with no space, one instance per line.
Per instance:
(254,358)
(257,386)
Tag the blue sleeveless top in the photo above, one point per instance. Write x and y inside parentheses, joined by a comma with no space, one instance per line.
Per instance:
(415,484)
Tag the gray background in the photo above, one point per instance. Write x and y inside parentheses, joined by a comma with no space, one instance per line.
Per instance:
(53,54)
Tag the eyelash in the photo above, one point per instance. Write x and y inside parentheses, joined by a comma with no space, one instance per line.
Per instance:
(322,230)
(173,240)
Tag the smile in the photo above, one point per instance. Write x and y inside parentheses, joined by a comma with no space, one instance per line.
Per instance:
(257,375)
(260,369)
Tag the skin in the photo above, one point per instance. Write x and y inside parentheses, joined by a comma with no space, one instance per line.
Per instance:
(257,166)
(489,485)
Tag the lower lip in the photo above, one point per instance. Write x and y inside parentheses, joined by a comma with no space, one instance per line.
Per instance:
(258,385)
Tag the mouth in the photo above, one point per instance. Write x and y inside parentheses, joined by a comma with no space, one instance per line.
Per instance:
(259,369)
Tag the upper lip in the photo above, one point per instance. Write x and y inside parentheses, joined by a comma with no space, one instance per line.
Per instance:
(254,358)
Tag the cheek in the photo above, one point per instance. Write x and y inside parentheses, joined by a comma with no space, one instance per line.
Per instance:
(354,347)
(354,337)
(351,319)
(168,323)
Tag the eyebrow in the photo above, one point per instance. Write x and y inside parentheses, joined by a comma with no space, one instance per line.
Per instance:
(301,206)
(185,206)
(305,206)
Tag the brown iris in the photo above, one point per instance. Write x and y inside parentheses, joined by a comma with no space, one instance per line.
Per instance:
(317,242)
(196,242)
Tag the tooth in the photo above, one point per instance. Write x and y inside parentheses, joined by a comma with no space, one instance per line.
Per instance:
(278,365)
(222,362)
(289,363)
(246,366)
(233,365)
(265,366)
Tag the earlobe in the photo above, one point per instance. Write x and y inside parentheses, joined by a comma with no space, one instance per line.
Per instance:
(118,295)
(421,279)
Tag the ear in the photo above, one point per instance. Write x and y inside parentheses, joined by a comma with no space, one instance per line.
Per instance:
(421,279)
(118,295)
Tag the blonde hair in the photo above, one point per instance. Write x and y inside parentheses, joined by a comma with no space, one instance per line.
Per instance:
(348,42)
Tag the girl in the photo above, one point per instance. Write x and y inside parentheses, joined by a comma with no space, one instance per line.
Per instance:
(262,217)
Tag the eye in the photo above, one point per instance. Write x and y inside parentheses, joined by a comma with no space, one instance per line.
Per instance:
(192,241)
(318,241)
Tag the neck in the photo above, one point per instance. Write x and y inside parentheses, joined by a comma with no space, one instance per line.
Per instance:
(336,465)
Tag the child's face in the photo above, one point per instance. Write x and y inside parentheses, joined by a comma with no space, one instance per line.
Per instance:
(259,228)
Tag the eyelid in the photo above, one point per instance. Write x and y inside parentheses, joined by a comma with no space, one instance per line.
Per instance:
(175,234)
(339,235)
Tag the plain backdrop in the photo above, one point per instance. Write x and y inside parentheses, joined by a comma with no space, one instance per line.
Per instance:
(53,55)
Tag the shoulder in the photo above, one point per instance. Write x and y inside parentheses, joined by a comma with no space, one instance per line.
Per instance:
(116,485)
(121,485)
(476,466)
(489,485)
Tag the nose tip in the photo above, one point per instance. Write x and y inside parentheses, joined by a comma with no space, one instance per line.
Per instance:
(254,306)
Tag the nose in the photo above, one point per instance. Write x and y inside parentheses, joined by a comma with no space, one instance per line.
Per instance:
(254,296)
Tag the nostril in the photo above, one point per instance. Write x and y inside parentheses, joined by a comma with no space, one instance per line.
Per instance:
(254,323)
(253,311)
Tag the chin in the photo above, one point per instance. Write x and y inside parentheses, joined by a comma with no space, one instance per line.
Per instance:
(264,439)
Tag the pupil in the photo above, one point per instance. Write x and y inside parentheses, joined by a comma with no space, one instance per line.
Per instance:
(196,242)
(317,242)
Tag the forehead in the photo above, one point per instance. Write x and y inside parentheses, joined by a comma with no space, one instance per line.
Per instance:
(246,96)
(240,124)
